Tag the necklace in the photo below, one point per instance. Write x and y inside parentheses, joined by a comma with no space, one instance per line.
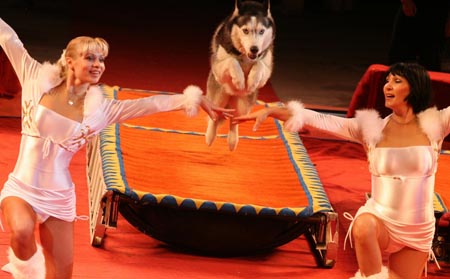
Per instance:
(403,123)
(71,101)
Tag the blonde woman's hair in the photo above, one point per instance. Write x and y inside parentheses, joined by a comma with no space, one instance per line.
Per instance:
(79,46)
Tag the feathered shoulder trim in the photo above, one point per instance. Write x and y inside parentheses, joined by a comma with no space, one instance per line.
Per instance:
(371,125)
(94,99)
(49,77)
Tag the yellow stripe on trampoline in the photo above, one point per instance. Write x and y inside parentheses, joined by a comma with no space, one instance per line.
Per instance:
(116,178)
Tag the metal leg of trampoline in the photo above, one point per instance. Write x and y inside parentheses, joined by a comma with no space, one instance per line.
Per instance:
(323,238)
(108,213)
(103,204)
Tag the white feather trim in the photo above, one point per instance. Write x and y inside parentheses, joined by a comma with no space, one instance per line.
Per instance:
(430,124)
(94,99)
(34,267)
(384,274)
(49,77)
(296,121)
(192,100)
(371,125)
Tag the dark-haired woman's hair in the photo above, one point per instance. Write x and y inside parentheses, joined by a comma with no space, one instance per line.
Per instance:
(420,96)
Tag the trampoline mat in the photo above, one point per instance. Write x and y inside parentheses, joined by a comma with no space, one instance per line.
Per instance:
(177,189)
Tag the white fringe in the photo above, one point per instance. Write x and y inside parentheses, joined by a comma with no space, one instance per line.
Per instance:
(192,99)
(384,274)
(49,76)
(430,124)
(33,268)
(296,121)
(371,125)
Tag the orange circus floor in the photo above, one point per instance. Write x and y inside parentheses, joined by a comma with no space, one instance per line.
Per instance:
(165,48)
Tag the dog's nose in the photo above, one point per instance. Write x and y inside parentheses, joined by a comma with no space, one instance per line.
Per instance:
(254,49)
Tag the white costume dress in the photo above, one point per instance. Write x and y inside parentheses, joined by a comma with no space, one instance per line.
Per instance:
(402,178)
(49,140)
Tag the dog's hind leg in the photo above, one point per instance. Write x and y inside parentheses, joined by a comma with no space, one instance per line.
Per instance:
(233,136)
(217,95)
(243,105)
(211,130)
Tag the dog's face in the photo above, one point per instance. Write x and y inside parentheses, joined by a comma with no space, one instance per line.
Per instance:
(252,31)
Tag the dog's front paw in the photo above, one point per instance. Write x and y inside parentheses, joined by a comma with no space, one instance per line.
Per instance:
(258,76)
(237,76)
(254,82)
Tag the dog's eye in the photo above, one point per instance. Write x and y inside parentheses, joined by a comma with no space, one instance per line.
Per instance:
(261,31)
(245,30)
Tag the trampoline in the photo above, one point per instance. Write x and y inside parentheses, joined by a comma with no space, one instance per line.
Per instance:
(159,174)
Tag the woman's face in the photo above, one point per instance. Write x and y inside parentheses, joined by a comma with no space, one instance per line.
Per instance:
(396,90)
(88,67)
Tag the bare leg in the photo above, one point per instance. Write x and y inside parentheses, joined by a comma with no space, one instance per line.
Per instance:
(371,238)
(57,242)
(21,220)
(407,263)
(25,258)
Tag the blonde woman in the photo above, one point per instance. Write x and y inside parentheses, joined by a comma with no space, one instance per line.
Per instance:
(62,107)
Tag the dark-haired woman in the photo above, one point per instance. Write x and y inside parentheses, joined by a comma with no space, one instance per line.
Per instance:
(402,151)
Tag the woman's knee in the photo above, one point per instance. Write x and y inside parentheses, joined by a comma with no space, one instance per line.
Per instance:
(23,231)
(365,228)
(21,219)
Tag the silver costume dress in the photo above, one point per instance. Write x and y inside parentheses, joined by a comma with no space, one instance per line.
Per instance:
(49,140)
(402,178)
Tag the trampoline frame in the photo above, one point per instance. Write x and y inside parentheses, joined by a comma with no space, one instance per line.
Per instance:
(317,221)
(320,229)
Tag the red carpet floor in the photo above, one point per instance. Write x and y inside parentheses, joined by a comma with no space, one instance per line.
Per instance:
(128,253)
(145,56)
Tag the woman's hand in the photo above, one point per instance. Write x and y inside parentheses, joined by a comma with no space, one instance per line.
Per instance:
(280,113)
(258,116)
(213,110)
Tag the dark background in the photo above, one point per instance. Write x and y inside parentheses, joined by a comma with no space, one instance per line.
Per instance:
(322,47)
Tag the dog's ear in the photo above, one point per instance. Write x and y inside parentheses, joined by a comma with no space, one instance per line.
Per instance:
(237,6)
(241,5)
(266,5)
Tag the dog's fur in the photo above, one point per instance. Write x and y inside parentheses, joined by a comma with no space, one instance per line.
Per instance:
(241,62)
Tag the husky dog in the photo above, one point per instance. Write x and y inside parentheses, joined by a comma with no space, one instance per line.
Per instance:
(241,62)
